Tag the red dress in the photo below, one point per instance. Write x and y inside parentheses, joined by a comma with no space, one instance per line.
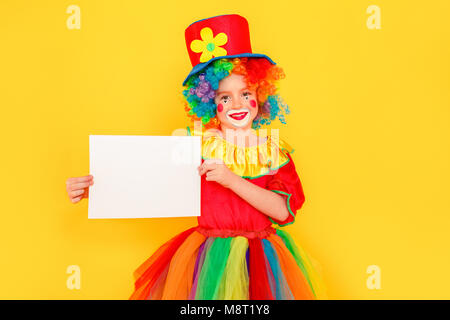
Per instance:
(234,252)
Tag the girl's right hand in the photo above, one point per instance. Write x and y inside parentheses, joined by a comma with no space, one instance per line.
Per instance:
(78,187)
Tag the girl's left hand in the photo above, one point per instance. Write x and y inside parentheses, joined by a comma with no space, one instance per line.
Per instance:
(217,171)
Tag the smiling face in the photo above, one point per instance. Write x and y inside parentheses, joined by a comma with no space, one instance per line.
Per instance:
(237,105)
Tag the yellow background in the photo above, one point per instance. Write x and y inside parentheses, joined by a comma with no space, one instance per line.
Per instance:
(369,122)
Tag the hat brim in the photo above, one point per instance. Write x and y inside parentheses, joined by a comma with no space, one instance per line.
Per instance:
(201,66)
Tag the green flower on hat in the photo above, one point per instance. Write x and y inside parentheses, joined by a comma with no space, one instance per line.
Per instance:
(209,46)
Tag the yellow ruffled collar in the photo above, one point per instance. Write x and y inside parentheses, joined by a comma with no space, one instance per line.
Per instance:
(248,162)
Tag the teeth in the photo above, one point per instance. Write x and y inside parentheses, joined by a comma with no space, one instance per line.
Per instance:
(244,114)
(237,112)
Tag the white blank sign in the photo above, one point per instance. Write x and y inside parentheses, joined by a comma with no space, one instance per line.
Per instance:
(144,176)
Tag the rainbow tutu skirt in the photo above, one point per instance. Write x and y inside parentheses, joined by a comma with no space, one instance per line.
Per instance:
(206,264)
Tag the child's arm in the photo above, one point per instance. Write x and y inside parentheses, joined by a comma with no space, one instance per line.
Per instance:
(266,201)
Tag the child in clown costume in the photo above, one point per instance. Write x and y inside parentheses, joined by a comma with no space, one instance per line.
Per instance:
(248,182)
(234,252)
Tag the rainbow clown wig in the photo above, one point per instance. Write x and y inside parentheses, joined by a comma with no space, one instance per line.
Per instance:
(260,75)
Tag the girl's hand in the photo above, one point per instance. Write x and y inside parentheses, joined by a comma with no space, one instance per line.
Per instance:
(78,187)
(217,171)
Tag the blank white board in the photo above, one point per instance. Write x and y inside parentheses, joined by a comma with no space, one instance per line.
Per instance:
(144,176)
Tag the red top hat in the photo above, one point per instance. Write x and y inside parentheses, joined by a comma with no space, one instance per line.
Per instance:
(225,36)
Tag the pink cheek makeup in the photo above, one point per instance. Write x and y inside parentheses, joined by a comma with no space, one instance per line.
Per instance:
(253,103)
(219,107)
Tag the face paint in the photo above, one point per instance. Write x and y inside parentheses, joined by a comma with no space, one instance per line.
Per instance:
(238,118)
(235,108)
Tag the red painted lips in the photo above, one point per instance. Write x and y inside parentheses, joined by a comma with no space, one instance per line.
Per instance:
(239,116)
